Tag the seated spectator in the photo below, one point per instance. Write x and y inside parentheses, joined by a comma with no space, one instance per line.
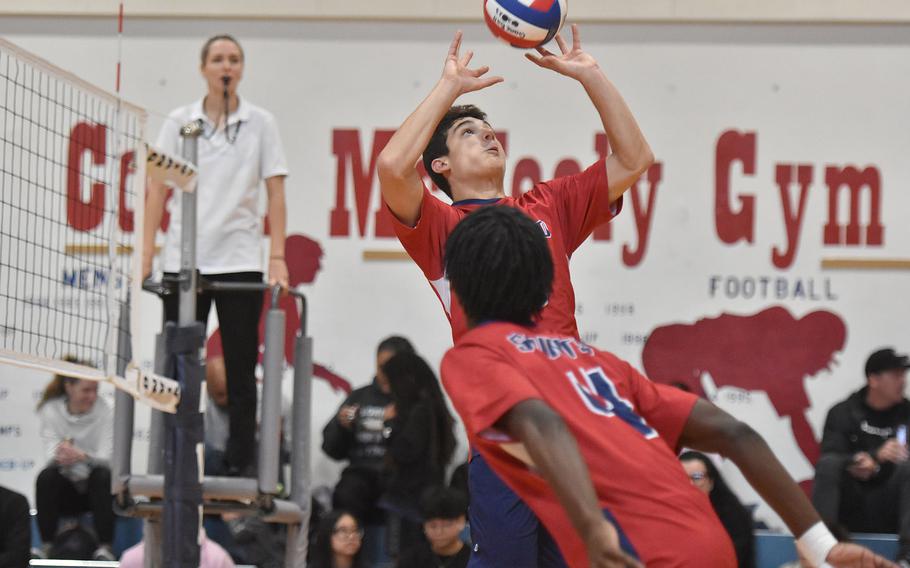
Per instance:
(421,437)
(736,519)
(355,434)
(248,539)
(211,555)
(217,420)
(443,510)
(862,479)
(77,431)
(73,542)
(15,529)
(337,542)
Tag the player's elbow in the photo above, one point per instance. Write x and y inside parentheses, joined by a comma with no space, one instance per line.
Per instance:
(390,168)
(642,159)
(531,419)
(737,436)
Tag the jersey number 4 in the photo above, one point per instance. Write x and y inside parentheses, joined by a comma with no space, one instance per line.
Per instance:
(599,394)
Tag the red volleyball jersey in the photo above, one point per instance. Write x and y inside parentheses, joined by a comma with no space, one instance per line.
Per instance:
(626,426)
(567,209)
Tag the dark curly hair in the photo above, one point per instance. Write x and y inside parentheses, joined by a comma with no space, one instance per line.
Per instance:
(498,264)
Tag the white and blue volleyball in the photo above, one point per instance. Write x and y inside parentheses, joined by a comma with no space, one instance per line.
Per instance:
(525,23)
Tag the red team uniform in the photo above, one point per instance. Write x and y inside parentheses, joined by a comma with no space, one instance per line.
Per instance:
(626,426)
(567,209)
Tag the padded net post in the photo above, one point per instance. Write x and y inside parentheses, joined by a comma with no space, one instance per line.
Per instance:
(184,430)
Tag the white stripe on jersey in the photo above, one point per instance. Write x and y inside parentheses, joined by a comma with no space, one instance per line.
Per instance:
(444,292)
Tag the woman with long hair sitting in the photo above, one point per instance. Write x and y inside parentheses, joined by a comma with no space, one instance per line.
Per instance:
(337,542)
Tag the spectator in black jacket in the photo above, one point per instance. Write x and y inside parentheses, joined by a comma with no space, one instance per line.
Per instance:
(15,529)
(421,443)
(356,434)
(736,519)
(862,479)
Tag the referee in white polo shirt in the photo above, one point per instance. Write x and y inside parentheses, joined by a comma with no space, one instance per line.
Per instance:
(239,148)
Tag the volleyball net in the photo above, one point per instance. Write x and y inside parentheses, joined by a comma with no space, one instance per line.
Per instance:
(72,178)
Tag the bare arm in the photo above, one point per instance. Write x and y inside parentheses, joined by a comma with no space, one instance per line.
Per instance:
(631,155)
(277,212)
(154,211)
(710,429)
(399,182)
(554,452)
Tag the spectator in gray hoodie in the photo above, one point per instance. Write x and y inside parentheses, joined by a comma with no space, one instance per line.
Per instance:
(77,431)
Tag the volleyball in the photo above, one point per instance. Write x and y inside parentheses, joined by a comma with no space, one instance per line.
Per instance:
(525,23)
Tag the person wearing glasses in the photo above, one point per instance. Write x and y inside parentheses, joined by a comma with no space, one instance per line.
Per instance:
(239,152)
(337,542)
(736,519)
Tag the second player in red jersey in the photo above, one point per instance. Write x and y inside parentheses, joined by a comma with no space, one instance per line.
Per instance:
(626,426)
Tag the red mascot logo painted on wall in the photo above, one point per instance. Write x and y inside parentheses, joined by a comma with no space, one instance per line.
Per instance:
(770,351)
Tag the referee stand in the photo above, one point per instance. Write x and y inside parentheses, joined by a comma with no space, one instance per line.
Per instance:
(174,493)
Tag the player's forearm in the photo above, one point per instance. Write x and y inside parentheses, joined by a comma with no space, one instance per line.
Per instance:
(555,454)
(403,150)
(277,212)
(765,473)
(627,141)
(710,429)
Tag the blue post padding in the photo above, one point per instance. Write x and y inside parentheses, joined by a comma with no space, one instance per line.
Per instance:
(183,434)
(183,339)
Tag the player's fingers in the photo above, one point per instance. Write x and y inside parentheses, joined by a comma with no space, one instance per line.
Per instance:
(467,58)
(479,71)
(535,59)
(576,37)
(456,42)
(545,52)
(563,47)
(489,81)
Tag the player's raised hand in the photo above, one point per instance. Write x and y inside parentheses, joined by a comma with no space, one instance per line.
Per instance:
(573,62)
(457,71)
(604,551)
(846,555)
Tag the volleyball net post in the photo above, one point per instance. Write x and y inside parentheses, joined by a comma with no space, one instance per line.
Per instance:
(183,491)
(183,430)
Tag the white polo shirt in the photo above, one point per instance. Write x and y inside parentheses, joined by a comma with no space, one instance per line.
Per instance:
(229,220)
